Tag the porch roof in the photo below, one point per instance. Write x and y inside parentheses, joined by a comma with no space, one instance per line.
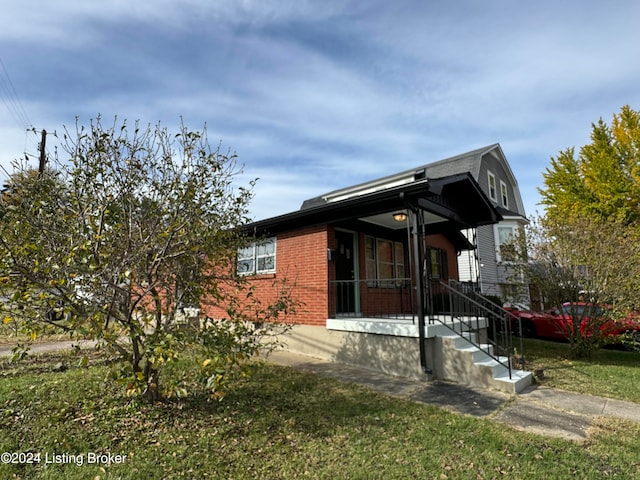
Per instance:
(450,203)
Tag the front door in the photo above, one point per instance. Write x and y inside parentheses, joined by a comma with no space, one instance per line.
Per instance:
(346,298)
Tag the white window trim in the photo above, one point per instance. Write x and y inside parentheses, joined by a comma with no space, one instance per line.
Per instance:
(493,193)
(255,256)
(496,235)
(504,194)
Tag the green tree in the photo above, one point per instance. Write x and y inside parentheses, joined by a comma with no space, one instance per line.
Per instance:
(583,259)
(604,179)
(126,237)
(585,241)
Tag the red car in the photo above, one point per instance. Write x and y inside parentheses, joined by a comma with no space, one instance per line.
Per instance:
(558,323)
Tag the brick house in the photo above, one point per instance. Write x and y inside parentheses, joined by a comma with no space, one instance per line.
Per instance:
(369,263)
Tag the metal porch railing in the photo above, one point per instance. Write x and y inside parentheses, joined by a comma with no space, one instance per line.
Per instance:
(455,305)
(503,325)
(389,299)
(471,312)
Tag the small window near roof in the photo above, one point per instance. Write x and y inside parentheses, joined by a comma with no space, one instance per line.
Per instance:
(503,194)
(493,189)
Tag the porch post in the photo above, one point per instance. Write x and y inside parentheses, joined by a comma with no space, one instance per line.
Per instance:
(418,262)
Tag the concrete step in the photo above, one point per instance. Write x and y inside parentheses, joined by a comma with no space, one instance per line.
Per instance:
(481,368)
(479,353)
(500,379)
(520,379)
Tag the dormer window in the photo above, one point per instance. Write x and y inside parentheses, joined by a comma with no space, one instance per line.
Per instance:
(493,189)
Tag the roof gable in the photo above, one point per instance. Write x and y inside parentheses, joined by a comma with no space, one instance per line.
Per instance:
(465,162)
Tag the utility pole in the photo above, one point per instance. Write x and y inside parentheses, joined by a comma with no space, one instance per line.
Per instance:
(43,156)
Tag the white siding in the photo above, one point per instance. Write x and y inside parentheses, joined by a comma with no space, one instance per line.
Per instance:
(467,263)
(487,260)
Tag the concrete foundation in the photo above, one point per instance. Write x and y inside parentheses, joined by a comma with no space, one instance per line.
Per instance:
(394,355)
(392,347)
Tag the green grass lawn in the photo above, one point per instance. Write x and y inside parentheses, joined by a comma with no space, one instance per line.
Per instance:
(284,423)
(610,373)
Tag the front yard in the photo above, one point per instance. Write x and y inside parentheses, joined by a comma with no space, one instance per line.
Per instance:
(610,373)
(284,423)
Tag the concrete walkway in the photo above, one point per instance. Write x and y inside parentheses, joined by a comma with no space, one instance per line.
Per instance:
(45,347)
(540,410)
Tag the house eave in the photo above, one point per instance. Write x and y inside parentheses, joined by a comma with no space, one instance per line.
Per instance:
(458,199)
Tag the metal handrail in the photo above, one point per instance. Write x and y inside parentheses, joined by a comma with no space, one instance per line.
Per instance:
(469,317)
(510,321)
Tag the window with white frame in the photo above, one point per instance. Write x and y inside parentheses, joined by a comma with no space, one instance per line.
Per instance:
(505,237)
(503,194)
(258,258)
(493,189)
(384,261)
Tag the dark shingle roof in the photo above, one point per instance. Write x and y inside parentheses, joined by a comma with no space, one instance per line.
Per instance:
(463,163)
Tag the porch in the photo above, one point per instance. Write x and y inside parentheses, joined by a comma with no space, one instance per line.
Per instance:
(465,338)
(388,307)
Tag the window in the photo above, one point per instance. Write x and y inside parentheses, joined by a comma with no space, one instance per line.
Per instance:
(370,257)
(399,260)
(503,194)
(384,253)
(493,190)
(384,261)
(439,266)
(258,258)
(506,251)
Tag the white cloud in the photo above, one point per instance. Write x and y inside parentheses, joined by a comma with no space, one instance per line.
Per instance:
(78,23)
(319,95)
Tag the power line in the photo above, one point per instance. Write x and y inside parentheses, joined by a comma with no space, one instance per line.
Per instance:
(11,100)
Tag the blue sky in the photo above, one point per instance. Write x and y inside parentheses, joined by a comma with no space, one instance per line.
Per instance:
(318,95)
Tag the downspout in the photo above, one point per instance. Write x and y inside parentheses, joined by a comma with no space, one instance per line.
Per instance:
(418,256)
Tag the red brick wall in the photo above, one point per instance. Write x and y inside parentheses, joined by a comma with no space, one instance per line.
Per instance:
(441,242)
(301,259)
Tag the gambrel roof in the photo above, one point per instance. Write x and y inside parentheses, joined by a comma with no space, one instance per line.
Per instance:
(469,162)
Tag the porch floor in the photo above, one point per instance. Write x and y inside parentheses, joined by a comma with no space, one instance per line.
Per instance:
(397,326)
